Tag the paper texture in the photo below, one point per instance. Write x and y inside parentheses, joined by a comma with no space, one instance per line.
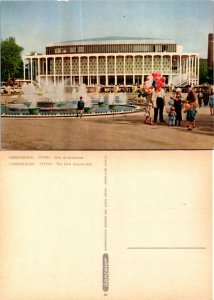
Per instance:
(114,225)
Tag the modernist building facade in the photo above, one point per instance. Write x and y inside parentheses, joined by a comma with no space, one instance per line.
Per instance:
(115,61)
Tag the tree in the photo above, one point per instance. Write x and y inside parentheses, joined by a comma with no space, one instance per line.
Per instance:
(11,60)
(203,70)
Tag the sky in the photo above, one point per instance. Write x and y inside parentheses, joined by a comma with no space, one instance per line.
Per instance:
(34,24)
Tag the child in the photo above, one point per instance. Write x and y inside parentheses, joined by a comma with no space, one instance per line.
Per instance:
(148,114)
(171,116)
(178,105)
(190,110)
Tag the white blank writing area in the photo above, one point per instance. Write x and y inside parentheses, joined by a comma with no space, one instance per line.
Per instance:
(148,212)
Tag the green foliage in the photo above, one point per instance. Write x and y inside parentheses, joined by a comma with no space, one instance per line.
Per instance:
(11,61)
(205,75)
(203,70)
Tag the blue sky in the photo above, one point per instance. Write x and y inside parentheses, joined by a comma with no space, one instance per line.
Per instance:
(37,23)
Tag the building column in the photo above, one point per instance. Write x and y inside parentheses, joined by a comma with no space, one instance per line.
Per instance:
(161,70)
(180,68)
(63,82)
(106,71)
(198,70)
(189,68)
(124,70)
(31,70)
(88,80)
(97,72)
(115,70)
(46,71)
(194,69)
(143,70)
(133,69)
(171,69)
(152,63)
(79,71)
(39,79)
(71,71)
(194,75)
(54,70)
(195,64)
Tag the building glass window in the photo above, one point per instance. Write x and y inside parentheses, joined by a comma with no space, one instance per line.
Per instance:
(80,49)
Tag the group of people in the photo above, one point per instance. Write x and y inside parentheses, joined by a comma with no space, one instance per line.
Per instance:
(156,100)
(203,97)
(176,103)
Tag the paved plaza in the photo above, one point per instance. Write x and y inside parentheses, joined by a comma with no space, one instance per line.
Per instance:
(119,132)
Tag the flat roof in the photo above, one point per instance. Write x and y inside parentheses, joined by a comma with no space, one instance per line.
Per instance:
(114,40)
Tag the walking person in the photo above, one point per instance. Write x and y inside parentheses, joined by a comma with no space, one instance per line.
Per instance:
(206,97)
(211,102)
(178,105)
(200,98)
(192,100)
(159,101)
(80,107)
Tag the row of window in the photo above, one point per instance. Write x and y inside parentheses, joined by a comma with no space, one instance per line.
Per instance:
(111,48)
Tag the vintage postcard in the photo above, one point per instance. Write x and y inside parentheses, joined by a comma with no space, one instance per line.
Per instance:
(106,225)
(107,115)
(107,75)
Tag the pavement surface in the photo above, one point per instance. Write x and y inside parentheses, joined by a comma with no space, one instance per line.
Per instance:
(119,132)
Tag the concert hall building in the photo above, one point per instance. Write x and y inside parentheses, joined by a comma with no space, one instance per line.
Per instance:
(112,61)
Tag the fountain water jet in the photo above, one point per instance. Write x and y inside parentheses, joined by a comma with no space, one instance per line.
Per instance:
(55,101)
(29,92)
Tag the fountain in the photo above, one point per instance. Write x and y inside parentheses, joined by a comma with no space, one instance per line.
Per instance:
(122,98)
(53,95)
(29,103)
(101,102)
(111,101)
(88,103)
(52,100)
